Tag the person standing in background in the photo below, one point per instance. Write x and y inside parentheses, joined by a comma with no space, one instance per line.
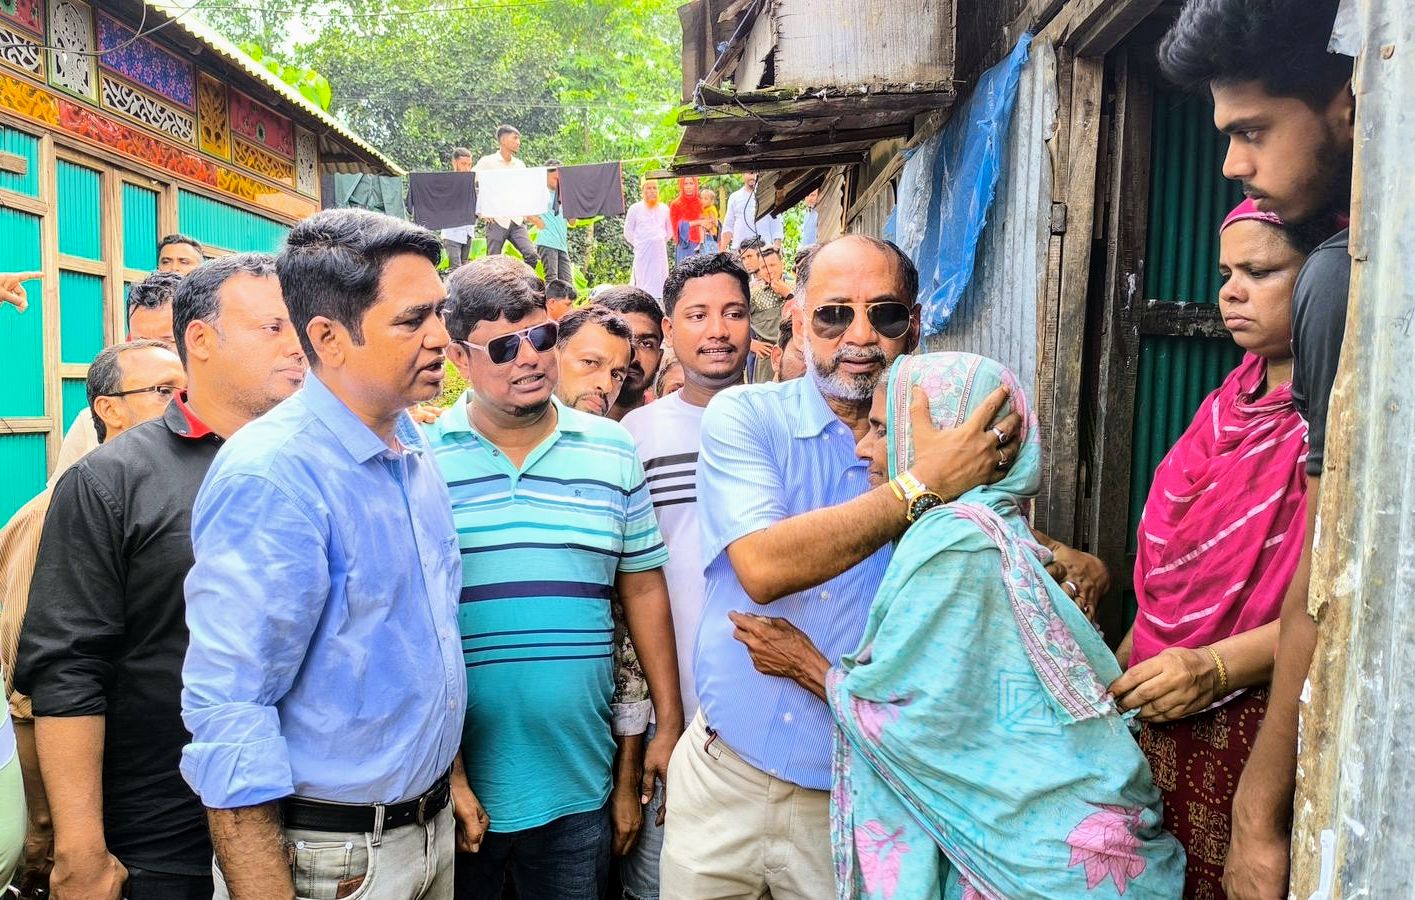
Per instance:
(553,236)
(685,214)
(741,223)
(457,240)
(712,221)
(500,230)
(179,254)
(809,222)
(648,229)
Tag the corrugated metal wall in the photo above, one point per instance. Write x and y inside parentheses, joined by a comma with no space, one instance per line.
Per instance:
(80,210)
(139,228)
(21,336)
(997,316)
(26,145)
(221,225)
(25,463)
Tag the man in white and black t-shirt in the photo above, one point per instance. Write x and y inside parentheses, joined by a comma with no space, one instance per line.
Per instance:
(1285,102)
(707,323)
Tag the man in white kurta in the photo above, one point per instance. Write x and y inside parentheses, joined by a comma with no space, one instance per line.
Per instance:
(648,231)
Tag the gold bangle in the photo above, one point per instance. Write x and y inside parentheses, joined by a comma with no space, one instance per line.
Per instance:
(1222,671)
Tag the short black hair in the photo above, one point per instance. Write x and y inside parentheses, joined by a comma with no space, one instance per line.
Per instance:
(1281,44)
(461,153)
(505,130)
(560,289)
(770,250)
(626,300)
(783,337)
(105,376)
(153,292)
(198,297)
(478,294)
(331,264)
(610,321)
(702,266)
(908,272)
(179,239)
(552,163)
(752,243)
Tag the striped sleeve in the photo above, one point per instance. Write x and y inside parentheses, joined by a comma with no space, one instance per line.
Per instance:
(643,547)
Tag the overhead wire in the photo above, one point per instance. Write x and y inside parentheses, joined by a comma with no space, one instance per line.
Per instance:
(138,35)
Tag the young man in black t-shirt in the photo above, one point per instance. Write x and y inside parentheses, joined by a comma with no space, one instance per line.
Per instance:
(1287,106)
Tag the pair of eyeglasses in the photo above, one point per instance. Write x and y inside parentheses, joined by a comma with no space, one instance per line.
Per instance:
(890,319)
(504,349)
(166,391)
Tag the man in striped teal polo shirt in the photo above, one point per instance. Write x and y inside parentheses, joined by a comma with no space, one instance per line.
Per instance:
(553,516)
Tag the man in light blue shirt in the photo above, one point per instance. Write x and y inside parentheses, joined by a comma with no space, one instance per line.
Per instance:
(789,522)
(553,234)
(324,684)
(740,221)
(809,222)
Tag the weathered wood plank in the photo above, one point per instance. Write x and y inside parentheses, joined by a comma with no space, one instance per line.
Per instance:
(1168,319)
(1126,223)
(1078,191)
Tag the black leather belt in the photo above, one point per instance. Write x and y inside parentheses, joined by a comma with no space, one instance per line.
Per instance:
(320,815)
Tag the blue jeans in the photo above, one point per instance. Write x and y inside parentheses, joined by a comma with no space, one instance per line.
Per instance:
(639,870)
(567,859)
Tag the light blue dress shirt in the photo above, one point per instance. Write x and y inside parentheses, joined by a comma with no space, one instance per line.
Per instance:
(809,225)
(770,452)
(325,658)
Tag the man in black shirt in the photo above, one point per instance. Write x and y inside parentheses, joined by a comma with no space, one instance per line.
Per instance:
(102,647)
(1286,104)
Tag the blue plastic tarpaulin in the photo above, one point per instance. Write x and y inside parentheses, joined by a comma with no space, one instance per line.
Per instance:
(947,187)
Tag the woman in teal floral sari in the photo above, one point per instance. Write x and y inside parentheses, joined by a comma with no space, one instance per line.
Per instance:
(977,751)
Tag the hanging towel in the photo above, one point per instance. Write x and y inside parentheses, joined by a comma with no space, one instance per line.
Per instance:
(380,193)
(443,199)
(513,193)
(593,190)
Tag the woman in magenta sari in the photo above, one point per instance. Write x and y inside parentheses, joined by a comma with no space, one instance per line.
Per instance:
(1218,545)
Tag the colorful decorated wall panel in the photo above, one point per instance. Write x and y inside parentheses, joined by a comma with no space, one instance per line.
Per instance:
(102,82)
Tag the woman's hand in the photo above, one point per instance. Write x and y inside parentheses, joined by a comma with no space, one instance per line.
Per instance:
(1082,576)
(1175,683)
(779,648)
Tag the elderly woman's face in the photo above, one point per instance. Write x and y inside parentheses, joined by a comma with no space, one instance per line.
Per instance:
(873,446)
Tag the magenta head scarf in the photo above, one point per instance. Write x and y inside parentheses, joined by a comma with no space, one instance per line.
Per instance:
(1226,516)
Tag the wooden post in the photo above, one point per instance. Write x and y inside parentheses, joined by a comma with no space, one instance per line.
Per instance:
(1356,772)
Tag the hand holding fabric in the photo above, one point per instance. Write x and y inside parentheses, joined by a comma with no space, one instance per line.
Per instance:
(1177,682)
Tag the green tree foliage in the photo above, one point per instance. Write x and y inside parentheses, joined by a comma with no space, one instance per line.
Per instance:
(583,80)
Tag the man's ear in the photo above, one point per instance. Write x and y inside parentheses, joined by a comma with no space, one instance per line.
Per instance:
(106,408)
(329,340)
(667,330)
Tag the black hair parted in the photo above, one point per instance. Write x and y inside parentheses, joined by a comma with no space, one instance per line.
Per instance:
(198,297)
(331,264)
(559,289)
(701,267)
(153,292)
(608,319)
(478,294)
(1281,44)
(179,239)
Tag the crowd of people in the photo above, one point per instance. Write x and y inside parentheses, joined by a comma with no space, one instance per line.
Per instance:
(728,592)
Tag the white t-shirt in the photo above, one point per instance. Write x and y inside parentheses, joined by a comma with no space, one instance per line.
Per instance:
(667,433)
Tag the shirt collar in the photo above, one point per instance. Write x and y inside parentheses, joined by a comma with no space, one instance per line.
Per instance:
(813,415)
(179,417)
(358,439)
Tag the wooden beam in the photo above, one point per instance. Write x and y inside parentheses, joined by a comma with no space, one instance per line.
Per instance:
(14,163)
(1127,218)
(813,141)
(771,165)
(772,105)
(1168,319)
(27,425)
(49,262)
(1077,189)
(1095,27)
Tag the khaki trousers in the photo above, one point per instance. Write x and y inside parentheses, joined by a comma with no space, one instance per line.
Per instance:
(734,831)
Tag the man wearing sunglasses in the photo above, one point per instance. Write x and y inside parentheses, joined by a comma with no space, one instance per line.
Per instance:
(554,517)
(789,524)
(101,651)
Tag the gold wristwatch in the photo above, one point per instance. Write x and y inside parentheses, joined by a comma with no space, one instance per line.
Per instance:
(917,498)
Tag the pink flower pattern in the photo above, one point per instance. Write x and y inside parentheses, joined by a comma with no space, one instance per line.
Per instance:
(873,717)
(1105,843)
(881,853)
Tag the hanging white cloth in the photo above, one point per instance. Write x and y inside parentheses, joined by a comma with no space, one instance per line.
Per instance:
(512,193)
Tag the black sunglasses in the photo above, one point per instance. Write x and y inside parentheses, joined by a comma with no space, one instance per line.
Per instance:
(166,390)
(504,349)
(890,319)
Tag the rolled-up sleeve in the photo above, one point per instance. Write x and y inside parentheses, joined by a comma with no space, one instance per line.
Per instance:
(739,479)
(73,630)
(254,597)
